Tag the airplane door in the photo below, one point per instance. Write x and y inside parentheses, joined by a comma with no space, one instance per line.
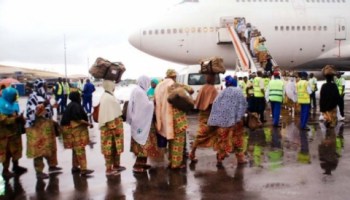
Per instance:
(340,29)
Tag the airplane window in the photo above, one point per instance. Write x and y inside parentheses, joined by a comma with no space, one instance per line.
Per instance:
(325,28)
(276,0)
(298,28)
(281,28)
(304,28)
(265,0)
(248,0)
(287,0)
(162,31)
(150,32)
(318,1)
(187,29)
(343,28)
(320,28)
(193,29)
(211,29)
(199,30)
(144,32)
(270,0)
(333,1)
(180,30)
(322,1)
(276,28)
(174,30)
(343,1)
(307,1)
(287,28)
(327,1)
(254,0)
(293,28)
(205,29)
(242,0)
(156,32)
(237,0)
(309,28)
(168,31)
(314,28)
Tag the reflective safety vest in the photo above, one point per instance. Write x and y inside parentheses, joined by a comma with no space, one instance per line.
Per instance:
(276,90)
(339,82)
(243,86)
(66,88)
(313,83)
(266,82)
(59,89)
(303,95)
(256,86)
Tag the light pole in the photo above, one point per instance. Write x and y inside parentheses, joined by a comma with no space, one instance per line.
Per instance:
(65,56)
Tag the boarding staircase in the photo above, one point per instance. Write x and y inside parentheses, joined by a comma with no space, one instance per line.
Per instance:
(227,34)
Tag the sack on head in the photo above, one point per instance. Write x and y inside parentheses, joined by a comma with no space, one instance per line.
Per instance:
(180,98)
(214,65)
(107,70)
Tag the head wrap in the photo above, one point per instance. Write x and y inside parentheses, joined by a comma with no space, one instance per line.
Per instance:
(144,82)
(170,73)
(108,85)
(8,104)
(303,74)
(74,110)
(230,81)
(39,87)
(151,90)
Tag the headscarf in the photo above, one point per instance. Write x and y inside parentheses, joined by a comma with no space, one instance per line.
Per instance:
(228,108)
(151,90)
(74,110)
(140,111)
(37,97)
(109,105)
(230,81)
(8,104)
(170,73)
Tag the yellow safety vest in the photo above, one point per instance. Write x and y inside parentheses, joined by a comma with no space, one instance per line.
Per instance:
(66,88)
(256,86)
(266,82)
(303,95)
(276,90)
(243,86)
(59,89)
(313,83)
(339,81)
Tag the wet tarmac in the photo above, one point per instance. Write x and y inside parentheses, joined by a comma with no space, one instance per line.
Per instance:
(283,164)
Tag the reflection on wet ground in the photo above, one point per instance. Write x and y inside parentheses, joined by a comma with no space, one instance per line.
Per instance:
(283,163)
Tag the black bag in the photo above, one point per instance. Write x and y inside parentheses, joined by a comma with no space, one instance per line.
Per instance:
(161,141)
(125,110)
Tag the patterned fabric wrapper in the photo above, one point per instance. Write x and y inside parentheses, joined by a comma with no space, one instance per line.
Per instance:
(6,130)
(206,136)
(112,135)
(331,117)
(41,139)
(150,149)
(75,135)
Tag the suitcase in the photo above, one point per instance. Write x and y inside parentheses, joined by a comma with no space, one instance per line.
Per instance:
(104,69)
(214,65)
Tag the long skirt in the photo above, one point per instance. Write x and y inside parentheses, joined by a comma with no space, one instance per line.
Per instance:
(150,149)
(229,140)
(331,117)
(112,136)
(206,135)
(75,135)
(41,139)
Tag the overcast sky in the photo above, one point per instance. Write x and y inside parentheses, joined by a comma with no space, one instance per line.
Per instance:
(32,34)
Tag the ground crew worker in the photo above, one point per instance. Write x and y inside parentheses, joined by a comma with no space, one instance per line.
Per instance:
(66,91)
(259,97)
(340,82)
(313,85)
(275,94)
(250,93)
(58,91)
(243,86)
(303,93)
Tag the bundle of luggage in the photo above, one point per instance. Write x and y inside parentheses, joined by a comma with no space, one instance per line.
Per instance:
(180,97)
(214,65)
(328,70)
(104,69)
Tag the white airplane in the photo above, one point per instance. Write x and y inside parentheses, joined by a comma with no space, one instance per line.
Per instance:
(300,34)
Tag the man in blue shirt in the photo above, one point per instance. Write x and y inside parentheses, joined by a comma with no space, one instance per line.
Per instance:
(89,88)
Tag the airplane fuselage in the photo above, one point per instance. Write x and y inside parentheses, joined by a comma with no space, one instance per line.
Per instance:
(300,34)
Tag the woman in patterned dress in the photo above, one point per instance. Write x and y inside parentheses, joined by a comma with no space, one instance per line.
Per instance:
(205,135)
(227,114)
(41,138)
(112,131)
(76,134)
(10,139)
(139,116)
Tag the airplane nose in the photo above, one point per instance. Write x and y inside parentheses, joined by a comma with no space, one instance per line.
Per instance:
(135,39)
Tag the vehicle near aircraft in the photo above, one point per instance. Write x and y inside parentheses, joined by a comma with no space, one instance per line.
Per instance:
(299,34)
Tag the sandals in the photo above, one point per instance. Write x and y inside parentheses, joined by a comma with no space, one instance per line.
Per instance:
(192,157)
